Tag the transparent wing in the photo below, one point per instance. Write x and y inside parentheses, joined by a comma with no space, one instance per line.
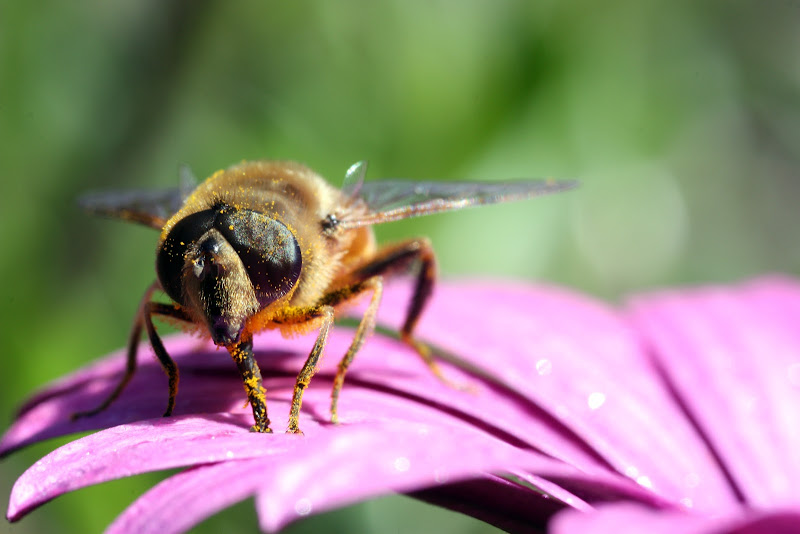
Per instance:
(391,200)
(354,179)
(148,207)
(151,208)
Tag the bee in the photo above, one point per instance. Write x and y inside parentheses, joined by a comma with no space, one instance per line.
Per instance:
(271,245)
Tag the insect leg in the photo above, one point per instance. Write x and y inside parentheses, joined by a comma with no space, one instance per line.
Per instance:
(365,328)
(310,367)
(324,313)
(398,258)
(143,315)
(242,354)
(167,363)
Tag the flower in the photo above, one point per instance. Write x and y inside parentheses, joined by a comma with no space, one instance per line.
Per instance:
(679,412)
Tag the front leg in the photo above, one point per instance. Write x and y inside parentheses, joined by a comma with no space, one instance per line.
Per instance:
(242,354)
(323,314)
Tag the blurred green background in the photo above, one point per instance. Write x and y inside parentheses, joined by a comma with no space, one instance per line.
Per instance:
(681,118)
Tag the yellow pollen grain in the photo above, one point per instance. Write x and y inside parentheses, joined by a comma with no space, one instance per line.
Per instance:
(251,383)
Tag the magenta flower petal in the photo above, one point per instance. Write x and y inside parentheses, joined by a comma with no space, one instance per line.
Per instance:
(572,403)
(491,498)
(629,518)
(584,365)
(333,472)
(185,441)
(193,493)
(136,448)
(429,437)
(733,358)
(47,414)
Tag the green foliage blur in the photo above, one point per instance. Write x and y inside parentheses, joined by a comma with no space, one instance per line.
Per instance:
(681,118)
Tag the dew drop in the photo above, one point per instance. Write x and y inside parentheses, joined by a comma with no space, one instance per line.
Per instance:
(402,464)
(303,506)
(544,367)
(644,481)
(596,400)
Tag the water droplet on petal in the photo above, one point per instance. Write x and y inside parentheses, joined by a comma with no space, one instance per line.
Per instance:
(687,502)
(692,480)
(303,506)
(644,481)
(402,464)
(596,400)
(544,367)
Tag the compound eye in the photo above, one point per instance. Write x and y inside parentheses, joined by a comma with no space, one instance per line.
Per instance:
(268,249)
(171,255)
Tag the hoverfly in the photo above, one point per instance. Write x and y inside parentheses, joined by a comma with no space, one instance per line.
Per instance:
(271,245)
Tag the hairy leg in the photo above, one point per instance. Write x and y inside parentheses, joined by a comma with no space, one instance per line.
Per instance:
(399,258)
(143,319)
(242,354)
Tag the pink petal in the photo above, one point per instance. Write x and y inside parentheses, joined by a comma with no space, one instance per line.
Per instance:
(209,384)
(185,441)
(198,493)
(136,448)
(733,357)
(582,364)
(553,372)
(324,470)
(205,376)
(407,459)
(629,518)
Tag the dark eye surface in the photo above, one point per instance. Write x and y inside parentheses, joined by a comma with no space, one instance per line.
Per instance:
(171,255)
(267,248)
